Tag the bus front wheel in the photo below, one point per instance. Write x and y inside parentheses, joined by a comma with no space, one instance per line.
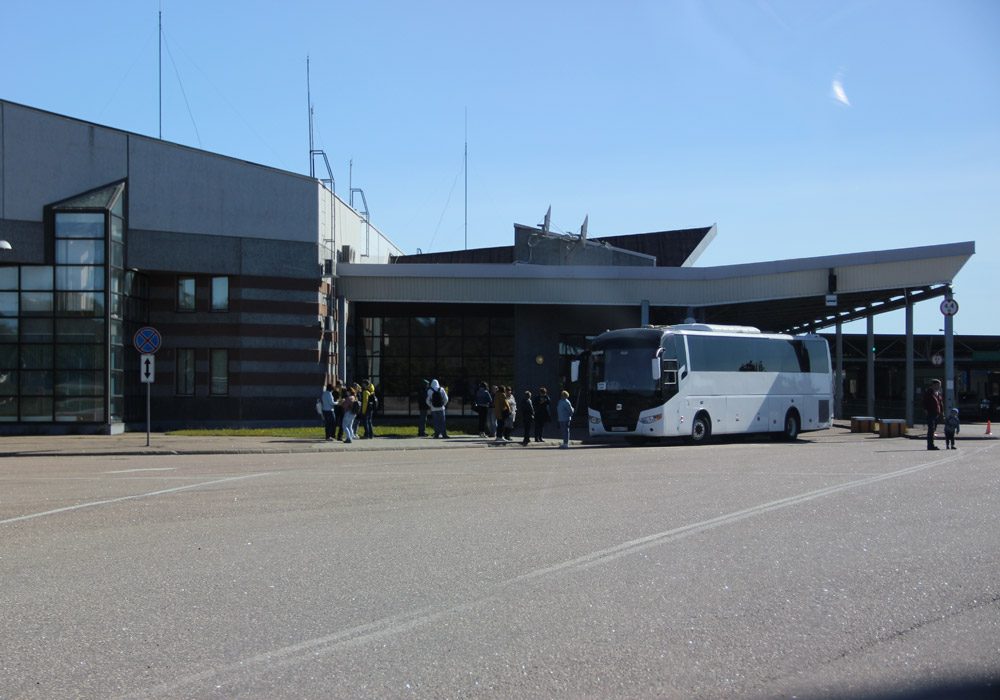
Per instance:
(701,429)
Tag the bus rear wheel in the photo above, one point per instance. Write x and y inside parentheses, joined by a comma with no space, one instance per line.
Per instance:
(701,429)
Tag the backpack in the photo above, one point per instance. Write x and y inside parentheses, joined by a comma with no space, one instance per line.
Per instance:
(437,398)
(372,403)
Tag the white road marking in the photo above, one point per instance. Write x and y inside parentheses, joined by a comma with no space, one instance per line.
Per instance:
(398,624)
(150,494)
(147,469)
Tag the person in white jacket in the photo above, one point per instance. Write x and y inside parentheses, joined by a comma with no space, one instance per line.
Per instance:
(437,401)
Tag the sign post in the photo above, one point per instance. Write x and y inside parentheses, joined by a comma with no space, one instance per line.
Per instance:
(147,341)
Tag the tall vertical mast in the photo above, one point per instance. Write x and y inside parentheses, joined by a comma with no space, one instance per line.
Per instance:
(159,69)
(466,178)
(312,168)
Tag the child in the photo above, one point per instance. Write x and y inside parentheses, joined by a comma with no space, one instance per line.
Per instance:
(951,426)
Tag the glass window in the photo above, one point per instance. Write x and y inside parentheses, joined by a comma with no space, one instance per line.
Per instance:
(79,225)
(117,255)
(36,357)
(36,303)
(82,408)
(36,383)
(80,357)
(37,277)
(117,228)
(185,294)
(8,304)
(36,409)
(80,278)
(36,330)
(8,383)
(185,372)
(8,409)
(79,383)
(80,252)
(8,356)
(8,330)
(219,373)
(80,303)
(80,330)
(8,277)
(220,294)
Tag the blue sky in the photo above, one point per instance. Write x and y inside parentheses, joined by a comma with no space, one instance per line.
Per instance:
(645,116)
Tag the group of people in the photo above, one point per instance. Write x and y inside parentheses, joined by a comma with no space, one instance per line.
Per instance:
(499,412)
(934,406)
(346,409)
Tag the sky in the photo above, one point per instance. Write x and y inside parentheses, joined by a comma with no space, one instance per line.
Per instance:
(800,128)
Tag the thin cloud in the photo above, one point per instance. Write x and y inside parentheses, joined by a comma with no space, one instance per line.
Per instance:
(837,90)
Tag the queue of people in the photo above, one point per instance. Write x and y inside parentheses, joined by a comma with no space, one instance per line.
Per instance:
(348,409)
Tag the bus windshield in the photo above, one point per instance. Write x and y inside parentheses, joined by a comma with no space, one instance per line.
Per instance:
(623,369)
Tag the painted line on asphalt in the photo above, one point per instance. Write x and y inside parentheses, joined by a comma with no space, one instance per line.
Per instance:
(398,624)
(150,494)
(147,469)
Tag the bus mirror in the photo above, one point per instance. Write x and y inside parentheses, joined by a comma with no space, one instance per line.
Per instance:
(656,369)
(574,371)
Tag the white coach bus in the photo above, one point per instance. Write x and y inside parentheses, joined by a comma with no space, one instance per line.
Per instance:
(699,380)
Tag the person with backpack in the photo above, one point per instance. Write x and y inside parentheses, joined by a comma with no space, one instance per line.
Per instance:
(482,402)
(437,401)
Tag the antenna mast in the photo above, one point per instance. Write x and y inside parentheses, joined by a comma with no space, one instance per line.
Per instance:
(159,69)
(466,178)
(312,168)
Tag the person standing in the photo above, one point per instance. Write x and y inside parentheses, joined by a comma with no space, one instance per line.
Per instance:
(527,411)
(542,416)
(482,403)
(511,415)
(564,413)
(350,404)
(500,410)
(421,400)
(437,402)
(338,412)
(934,406)
(952,425)
(327,403)
(368,404)
(491,414)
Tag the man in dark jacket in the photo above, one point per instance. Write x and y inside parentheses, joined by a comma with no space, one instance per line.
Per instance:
(527,412)
(934,406)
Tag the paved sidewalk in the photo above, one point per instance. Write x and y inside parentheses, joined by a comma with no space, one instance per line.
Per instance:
(167,444)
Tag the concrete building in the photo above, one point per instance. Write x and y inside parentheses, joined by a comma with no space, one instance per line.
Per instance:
(264,285)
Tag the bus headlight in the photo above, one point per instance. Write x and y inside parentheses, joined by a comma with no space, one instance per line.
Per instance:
(595,419)
(651,419)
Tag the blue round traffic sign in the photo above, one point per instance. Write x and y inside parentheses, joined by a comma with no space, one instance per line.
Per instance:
(147,340)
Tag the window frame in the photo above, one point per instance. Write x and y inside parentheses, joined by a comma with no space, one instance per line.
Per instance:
(179,307)
(190,371)
(213,377)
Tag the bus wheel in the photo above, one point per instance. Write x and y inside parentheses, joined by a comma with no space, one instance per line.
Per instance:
(701,429)
(791,431)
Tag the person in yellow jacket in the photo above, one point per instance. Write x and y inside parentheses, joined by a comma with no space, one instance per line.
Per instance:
(369,402)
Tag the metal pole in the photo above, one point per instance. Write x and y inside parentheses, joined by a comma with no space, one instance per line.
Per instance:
(911,389)
(838,381)
(870,353)
(160,69)
(148,391)
(467,179)
(949,357)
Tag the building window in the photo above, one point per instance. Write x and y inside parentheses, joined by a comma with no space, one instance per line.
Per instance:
(219,373)
(185,372)
(220,294)
(185,293)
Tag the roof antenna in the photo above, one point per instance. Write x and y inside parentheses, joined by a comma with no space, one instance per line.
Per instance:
(583,229)
(546,224)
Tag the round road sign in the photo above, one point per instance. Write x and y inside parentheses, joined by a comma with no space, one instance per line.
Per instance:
(147,340)
(949,307)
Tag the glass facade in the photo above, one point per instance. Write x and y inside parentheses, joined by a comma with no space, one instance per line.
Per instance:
(399,352)
(61,325)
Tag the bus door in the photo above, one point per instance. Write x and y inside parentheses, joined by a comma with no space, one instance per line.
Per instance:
(673,367)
